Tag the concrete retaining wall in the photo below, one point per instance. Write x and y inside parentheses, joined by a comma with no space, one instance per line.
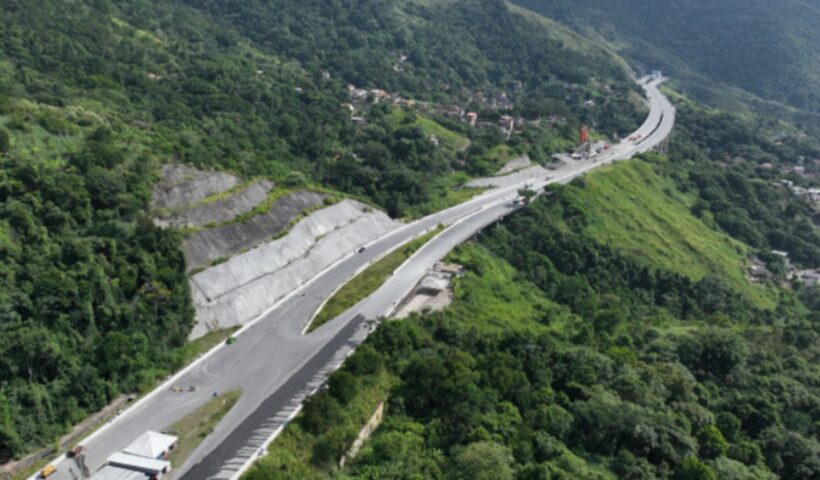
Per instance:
(240,289)
(535,173)
(516,163)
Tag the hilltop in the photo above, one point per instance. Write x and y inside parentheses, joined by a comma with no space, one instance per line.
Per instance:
(732,54)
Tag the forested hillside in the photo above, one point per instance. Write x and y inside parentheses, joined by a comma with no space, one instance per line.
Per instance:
(769,49)
(607,331)
(95,95)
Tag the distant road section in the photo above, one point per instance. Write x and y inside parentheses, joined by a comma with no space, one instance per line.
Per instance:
(276,366)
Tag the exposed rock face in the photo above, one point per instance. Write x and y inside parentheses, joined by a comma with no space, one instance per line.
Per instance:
(516,163)
(222,242)
(235,292)
(182,185)
(259,270)
(218,211)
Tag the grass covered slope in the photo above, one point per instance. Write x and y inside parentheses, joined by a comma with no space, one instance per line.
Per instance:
(492,297)
(564,356)
(631,208)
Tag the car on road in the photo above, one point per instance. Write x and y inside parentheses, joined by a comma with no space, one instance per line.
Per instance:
(361,249)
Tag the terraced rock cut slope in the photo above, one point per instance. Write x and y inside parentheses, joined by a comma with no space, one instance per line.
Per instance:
(206,246)
(181,186)
(216,210)
(238,290)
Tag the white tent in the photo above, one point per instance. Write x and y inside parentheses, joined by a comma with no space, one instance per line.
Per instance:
(151,445)
(148,466)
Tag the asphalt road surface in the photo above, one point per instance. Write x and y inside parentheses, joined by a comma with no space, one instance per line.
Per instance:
(276,366)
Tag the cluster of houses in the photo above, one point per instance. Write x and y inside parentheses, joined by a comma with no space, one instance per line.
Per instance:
(376,95)
(813,194)
(758,271)
(506,122)
(359,97)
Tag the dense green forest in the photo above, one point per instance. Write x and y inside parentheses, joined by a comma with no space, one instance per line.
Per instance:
(582,343)
(769,49)
(95,95)
(607,331)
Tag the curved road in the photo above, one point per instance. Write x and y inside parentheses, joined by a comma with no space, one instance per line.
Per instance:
(276,366)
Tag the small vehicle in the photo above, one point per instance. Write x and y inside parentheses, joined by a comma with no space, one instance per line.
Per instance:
(575,156)
(176,389)
(47,471)
(192,388)
(361,250)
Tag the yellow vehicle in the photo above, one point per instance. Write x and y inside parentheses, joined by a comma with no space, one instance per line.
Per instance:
(47,471)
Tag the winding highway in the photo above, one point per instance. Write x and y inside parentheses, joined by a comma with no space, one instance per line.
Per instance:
(276,366)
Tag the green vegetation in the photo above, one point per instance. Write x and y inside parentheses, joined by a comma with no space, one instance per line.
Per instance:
(574,361)
(453,141)
(710,46)
(96,95)
(194,427)
(367,281)
(742,194)
(330,421)
(574,351)
(632,209)
(492,298)
(95,299)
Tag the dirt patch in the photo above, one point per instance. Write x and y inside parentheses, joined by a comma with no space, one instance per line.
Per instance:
(202,248)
